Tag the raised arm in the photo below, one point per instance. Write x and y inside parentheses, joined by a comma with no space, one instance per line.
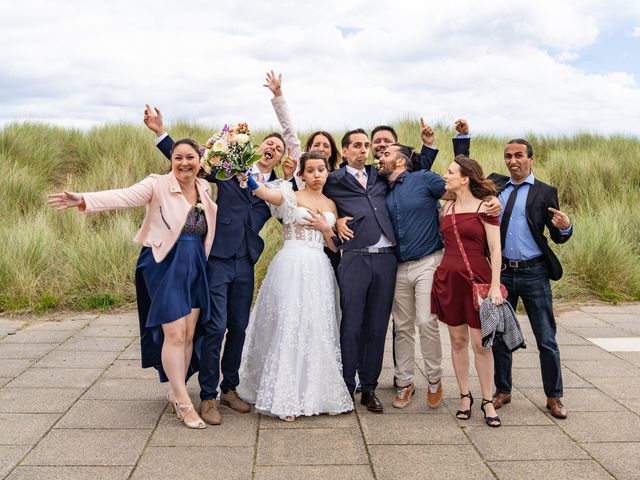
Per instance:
(153,121)
(274,83)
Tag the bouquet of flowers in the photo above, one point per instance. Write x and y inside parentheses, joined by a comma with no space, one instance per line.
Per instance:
(229,153)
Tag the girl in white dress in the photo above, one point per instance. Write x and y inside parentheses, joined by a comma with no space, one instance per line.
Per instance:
(291,359)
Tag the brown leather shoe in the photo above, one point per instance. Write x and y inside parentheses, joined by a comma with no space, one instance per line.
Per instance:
(372,402)
(403,395)
(209,412)
(556,408)
(233,401)
(434,394)
(500,399)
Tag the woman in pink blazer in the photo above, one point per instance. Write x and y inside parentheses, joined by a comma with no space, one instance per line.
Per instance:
(171,285)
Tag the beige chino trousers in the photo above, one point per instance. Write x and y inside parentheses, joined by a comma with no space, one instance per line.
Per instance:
(411,308)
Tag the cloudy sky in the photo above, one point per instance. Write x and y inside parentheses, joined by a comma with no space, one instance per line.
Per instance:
(510,67)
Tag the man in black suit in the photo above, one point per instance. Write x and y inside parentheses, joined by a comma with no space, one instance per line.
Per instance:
(529,206)
(367,271)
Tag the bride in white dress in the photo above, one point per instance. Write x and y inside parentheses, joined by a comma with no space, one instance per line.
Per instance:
(291,359)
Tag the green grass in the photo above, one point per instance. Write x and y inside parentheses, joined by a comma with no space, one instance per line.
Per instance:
(52,260)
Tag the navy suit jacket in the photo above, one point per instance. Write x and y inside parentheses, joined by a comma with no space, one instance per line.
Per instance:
(428,155)
(240,215)
(540,197)
(367,207)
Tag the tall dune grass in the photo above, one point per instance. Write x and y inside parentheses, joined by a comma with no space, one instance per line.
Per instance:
(54,260)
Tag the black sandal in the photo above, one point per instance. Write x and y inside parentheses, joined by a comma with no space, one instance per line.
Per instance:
(465,414)
(493,422)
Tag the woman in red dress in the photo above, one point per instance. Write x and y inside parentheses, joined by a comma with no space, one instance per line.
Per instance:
(451,296)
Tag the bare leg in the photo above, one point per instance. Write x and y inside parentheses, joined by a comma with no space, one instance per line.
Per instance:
(191,319)
(460,356)
(483,359)
(173,361)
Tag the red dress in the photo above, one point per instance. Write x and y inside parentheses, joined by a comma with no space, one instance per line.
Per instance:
(451,297)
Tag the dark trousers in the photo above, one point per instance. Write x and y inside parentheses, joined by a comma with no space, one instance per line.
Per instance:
(231,293)
(531,284)
(367,283)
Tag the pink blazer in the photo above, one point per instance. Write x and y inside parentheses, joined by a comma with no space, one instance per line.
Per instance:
(167,210)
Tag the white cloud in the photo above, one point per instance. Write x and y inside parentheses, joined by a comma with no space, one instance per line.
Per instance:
(636,32)
(501,64)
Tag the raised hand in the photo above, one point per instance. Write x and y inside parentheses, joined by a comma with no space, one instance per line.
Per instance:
(462,127)
(426,133)
(63,200)
(559,220)
(153,120)
(344,233)
(274,83)
(289,165)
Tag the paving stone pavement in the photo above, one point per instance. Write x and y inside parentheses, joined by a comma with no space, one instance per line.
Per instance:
(75,404)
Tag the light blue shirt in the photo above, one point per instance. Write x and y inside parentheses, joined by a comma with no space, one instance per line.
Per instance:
(519,243)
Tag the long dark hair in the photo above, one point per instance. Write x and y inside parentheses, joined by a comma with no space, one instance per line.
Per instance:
(480,187)
(334,158)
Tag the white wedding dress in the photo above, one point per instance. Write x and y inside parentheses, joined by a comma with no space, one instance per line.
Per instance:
(291,358)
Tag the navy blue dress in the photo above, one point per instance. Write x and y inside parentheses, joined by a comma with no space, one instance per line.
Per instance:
(168,290)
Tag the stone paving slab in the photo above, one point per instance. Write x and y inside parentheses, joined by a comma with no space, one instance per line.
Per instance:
(311,472)
(543,470)
(621,459)
(70,473)
(10,456)
(409,462)
(57,378)
(73,359)
(212,463)
(23,350)
(108,414)
(24,428)
(89,447)
(38,400)
(75,404)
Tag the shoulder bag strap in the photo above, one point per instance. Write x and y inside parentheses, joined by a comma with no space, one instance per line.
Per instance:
(464,255)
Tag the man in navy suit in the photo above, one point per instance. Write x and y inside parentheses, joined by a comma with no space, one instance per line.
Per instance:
(367,271)
(236,248)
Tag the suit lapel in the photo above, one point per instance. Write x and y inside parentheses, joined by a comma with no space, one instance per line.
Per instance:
(349,181)
(531,195)
(372,175)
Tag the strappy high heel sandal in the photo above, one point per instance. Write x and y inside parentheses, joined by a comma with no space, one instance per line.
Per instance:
(171,398)
(465,414)
(182,410)
(493,422)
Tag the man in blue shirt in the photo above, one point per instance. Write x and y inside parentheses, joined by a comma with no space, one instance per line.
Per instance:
(528,264)
(412,202)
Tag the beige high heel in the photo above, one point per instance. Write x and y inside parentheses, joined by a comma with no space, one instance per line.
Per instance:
(182,409)
(171,398)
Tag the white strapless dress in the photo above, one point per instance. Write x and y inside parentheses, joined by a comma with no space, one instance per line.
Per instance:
(291,359)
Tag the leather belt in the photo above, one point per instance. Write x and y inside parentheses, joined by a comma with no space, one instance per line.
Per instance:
(373,250)
(522,263)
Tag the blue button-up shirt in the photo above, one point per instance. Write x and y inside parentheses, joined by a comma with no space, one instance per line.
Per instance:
(519,243)
(413,207)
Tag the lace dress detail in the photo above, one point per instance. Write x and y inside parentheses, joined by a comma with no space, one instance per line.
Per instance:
(291,359)
(196,223)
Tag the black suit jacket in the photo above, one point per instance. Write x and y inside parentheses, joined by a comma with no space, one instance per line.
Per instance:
(540,197)
(367,207)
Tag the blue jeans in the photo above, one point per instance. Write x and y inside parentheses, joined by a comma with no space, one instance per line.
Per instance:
(531,284)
